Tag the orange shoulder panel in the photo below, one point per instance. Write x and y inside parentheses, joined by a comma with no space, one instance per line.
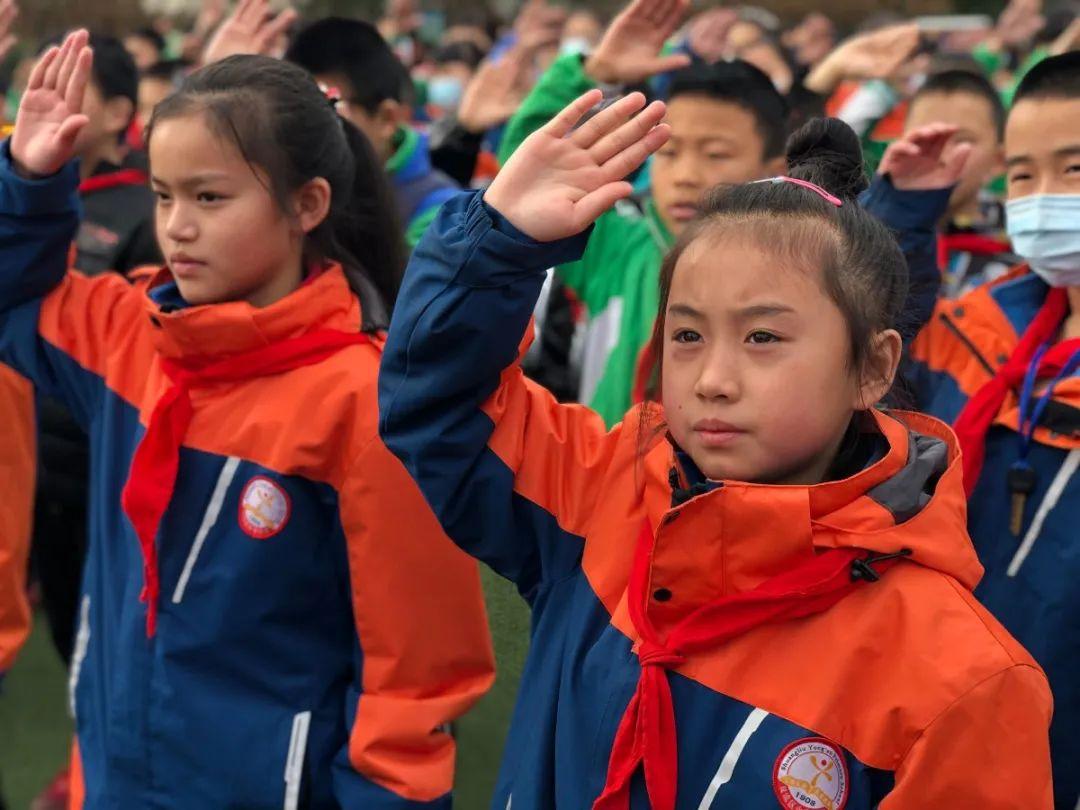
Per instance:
(17,469)
(102,325)
(420,618)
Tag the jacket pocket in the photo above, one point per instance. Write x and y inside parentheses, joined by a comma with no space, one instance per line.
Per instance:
(294,760)
(82,641)
(210,517)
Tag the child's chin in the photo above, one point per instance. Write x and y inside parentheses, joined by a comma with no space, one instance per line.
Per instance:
(198,294)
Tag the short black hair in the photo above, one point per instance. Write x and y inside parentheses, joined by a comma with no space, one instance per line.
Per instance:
(949,82)
(355,50)
(739,83)
(1057,77)
(170,70)
(467,52)
(151,36)
(114,72)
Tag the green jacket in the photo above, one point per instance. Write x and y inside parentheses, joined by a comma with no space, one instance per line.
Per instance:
(617,280)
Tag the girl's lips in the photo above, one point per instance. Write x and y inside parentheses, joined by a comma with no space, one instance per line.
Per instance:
(716,433)
(717,438)
(185,267)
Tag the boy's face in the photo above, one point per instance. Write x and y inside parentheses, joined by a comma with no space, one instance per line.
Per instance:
(152,90)
(712,143)
(974,119)
(379,126)
(1042,147)
(108,118)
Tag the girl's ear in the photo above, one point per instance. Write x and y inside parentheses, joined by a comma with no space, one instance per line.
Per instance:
(880,370)
(311,204)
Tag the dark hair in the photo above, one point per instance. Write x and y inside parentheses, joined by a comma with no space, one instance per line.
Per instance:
(743,85)
(113,72)
(467,52)
(355,50)
(864,271)
(170,70)
(1057,77)
(281,122)
(950,82)
(151,36)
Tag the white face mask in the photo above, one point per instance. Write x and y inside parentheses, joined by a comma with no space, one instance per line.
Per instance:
(1045,230)
(575,45)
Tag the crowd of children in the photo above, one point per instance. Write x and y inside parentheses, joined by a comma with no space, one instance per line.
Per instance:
(747,354)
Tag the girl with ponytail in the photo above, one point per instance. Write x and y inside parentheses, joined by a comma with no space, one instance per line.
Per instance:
(271,616)
(756,591)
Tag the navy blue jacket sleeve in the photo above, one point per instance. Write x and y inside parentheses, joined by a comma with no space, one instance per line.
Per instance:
(495,456)
(38,221)
(913,217)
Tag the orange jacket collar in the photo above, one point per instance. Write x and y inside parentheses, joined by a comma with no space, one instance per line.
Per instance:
(214,330)
(733,538)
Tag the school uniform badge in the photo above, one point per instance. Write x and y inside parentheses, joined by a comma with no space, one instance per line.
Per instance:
(811,773)
(265,508)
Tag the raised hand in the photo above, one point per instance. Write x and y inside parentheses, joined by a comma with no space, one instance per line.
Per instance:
(630,49)
(495,92)
(50,114)
(709,32)
(8,12)
(875,55)
(923,160)
(1019,22)
(561,179)
(249,29)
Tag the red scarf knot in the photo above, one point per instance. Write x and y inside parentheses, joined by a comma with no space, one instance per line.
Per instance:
(651,654)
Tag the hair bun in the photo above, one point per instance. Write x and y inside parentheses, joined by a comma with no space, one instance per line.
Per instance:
(826,151)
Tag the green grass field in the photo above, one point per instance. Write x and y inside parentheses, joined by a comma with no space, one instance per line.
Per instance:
(35,729)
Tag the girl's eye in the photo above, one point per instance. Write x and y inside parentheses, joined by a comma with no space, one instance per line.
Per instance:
(686,336)
(161,196)
(717,156)
(1019,177)
(208,197)
(1072,169)
(759,337)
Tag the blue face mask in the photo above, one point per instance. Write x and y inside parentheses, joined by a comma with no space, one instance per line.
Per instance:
(1045,230)
(445,91)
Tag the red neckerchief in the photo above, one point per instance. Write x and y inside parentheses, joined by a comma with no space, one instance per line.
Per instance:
(124,177)
(150,483)
(646,734)
(978,415)
(976,243)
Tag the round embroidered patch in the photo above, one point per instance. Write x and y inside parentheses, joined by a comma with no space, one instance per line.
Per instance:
(264,508)
(811,773)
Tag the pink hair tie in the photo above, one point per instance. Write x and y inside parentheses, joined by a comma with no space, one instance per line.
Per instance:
(805,184)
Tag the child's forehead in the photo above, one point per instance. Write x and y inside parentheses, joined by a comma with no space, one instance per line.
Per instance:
(740,262)
(1043,125)
(951,106)
(700,112)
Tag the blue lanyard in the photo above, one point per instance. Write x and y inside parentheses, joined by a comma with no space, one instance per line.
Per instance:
(1031,413)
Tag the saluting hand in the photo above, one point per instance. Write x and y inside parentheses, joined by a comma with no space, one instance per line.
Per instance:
(50,114)
(561,179)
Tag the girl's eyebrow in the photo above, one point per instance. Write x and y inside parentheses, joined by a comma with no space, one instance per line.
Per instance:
(194,180)
(686,310)
(759,310)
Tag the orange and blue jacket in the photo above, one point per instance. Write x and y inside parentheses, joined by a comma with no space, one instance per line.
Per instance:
(316,631)
(907,693)
(17,462)
(1031,577)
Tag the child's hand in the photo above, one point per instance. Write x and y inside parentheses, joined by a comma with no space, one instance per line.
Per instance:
(50,114)
(922,160)
(709,32)
(629,51)
(559,181)
(495,92)
(249,30)
(875,55)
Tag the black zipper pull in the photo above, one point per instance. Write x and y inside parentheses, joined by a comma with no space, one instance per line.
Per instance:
(863,569)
